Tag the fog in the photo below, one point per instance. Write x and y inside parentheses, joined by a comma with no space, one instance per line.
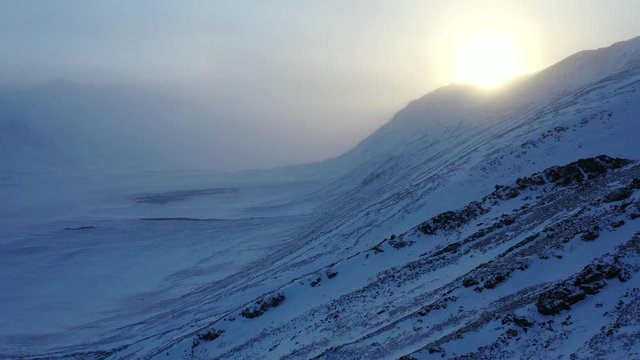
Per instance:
(247,84)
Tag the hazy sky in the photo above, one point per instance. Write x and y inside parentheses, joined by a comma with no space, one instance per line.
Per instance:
(307,78)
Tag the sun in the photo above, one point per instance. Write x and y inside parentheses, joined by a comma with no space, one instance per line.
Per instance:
(488,60)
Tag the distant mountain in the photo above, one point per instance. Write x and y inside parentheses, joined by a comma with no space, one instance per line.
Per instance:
(64,125)
(457,106)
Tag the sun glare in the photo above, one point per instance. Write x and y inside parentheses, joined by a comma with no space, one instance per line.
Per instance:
(488,60)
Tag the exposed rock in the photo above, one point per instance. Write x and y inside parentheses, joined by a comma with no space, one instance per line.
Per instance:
(262,306)
(450,220)
(494,281)
(331,274)
(503,192)
(530,182)
(449,248)
(589,281)
(398,242)
(210,335)
(618,223)
(555,301)
(469,282)
(573,173)
(618,195)
(517,320)
(592,234)
(624,275)
(440,304)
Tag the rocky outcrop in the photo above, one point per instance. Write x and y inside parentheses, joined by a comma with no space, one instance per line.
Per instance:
(588,282)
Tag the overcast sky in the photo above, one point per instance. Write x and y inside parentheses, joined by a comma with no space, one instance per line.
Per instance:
(308,78)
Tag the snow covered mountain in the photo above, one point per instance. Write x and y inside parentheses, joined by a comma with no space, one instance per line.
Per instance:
(474,224)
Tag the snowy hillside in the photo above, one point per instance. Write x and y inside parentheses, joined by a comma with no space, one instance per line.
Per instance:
(474,224)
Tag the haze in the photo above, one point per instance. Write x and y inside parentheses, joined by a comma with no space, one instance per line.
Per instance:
(285,82)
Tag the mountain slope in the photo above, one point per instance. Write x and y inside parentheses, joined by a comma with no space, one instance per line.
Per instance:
(343,286)
(415,167)
(502,259)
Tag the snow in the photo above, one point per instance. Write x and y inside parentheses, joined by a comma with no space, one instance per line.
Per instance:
(138,263)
